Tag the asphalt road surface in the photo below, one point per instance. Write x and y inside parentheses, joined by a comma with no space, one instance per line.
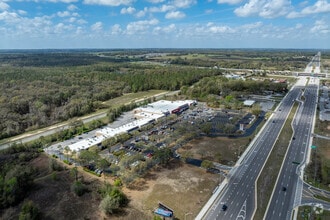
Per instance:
(239,193)
(288,190)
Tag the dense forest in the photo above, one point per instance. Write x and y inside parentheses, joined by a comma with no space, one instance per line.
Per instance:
(43,87)
(34,97)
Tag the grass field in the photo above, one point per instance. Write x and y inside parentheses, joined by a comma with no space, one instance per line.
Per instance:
(132,97)
(207,148)
(268,176)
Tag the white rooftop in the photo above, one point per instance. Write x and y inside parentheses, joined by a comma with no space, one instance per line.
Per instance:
(163,106)
(249,102)
(147,114)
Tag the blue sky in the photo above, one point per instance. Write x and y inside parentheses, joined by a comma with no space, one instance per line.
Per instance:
(39,24)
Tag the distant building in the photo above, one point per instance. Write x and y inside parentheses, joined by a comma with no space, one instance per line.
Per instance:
(249,102)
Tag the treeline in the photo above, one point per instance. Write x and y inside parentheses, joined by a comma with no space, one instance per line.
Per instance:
(243,59)
(219,85)
(35,97)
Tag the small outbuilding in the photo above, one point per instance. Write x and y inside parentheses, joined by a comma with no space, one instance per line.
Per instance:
(249,102)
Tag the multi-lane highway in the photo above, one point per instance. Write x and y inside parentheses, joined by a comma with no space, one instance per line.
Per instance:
(288,190)
(239,193)
(315,65)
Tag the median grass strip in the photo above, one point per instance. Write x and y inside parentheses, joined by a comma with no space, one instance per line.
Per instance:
(268,176)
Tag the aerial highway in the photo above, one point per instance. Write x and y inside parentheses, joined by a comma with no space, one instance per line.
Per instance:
(237,201)
(288,190)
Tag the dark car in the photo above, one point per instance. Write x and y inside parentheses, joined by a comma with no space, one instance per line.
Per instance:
(224,207)
(294,138)
(283,188)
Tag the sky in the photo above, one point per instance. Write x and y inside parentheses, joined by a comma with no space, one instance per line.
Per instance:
(59,24)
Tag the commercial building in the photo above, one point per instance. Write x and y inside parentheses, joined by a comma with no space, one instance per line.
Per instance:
(143,115)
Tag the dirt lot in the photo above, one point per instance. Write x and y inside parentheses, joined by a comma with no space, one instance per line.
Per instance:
(206,148)
(183,187)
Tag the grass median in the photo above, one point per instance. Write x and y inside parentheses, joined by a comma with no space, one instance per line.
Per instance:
(268,176)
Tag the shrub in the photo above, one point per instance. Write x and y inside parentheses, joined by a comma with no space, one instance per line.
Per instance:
(78,188)
(29,211)
(109,204)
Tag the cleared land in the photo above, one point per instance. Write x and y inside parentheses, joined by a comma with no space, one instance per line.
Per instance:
(213,149)
(183,187)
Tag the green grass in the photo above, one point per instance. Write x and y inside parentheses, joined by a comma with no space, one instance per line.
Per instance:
(132,97)
(323,151)
(268,176)
(322,198)
(308,213)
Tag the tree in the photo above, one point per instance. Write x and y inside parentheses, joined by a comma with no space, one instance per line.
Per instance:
(109,204)
(206,128)
(256,110)
(67,150)
(74,173)
(29,211)
(86,157)
(163,155)
(78,188)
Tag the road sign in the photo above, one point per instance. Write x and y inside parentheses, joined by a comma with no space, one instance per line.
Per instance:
(313,147)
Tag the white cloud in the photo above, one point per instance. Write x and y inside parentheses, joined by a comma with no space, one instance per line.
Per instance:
(164,30)
(63,14)
(264,8)
(320,26)
(72,19)
(22,12)
(320,6)
(250,8)
(98,26)
(275,8)
(231,2)
(221,30)
(163,8)
(155,1)
(183,3)
(129,10)
(72,7)
(142,13)
(4,6)
(116,29)
(64,1)
(81,21)
(108,2)
(9,17)
(252,25)
(140,26)
(209,11)
(175,15)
